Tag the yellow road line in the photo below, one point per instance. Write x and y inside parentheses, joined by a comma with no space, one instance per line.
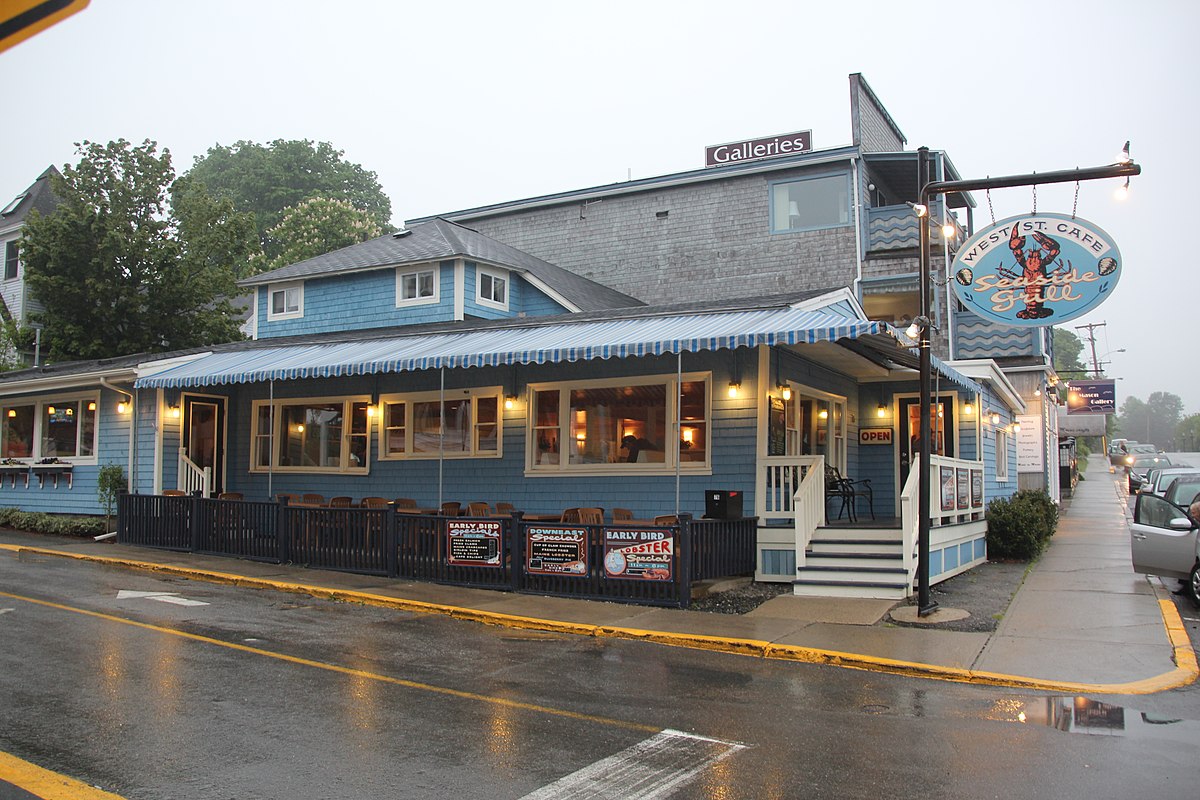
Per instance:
(46,784)
(358,673)
(1185,672)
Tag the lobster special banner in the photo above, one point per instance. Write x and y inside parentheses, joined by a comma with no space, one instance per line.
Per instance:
(1035,271)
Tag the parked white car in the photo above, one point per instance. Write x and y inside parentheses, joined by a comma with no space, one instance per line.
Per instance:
(1165,541)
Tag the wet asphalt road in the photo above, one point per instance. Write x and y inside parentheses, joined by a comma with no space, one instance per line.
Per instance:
(267,695)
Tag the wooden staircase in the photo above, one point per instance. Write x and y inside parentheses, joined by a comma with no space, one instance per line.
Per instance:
(854,562)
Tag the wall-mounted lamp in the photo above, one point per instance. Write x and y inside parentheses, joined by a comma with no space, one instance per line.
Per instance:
(122,407)
(92,406)
(919,209)
(174,412)
(823,413)
(734,388)
(968,409)
(948,230)
(785,391)
(510,402)
(50,410)
(1016,427)
(881,411)
(995,418)
(12,412)
(371,410)
(1037,392)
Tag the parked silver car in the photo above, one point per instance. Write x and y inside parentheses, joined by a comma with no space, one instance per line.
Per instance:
(1165,541)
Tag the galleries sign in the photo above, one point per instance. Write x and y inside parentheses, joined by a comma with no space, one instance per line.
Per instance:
(786,144)
(1036,271)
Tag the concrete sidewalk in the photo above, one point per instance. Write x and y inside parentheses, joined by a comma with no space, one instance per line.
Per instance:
(1082,622)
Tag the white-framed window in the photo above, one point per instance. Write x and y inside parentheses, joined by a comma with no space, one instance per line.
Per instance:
(461,423)
(1001,455)
(622,425)
(58,427)
(492,287)
(417,286)
(321,434)
(285,300)
(12,258)
(815,424)
(806,204)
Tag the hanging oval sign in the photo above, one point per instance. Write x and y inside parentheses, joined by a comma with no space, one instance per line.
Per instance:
(1036,271)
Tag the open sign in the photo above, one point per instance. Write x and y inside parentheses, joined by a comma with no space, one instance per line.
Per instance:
(875,436)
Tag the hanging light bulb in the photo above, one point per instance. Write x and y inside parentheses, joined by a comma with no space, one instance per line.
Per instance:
(948,230)
(1122,192)
(734,386)
(785,392)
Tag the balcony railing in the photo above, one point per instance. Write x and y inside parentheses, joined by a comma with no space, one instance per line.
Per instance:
(895,228)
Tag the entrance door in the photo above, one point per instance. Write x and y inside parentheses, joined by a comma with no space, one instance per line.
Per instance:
(204,436)
(941,414)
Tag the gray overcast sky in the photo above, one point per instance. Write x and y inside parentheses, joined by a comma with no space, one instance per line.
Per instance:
(461,104)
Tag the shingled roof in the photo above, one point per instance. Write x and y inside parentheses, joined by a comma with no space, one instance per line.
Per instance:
(39,196)
(440,239)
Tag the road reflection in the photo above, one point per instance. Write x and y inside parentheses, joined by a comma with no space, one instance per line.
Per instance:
(1084,715)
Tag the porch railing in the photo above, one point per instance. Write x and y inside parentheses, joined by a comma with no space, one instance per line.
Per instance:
(193,478)
(777,482)
(956,495)
(809,503)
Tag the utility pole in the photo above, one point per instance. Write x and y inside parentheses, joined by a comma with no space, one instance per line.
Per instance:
(1091,329)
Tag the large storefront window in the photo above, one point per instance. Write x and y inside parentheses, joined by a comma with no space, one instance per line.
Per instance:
(312,436)
(426,425)
(49,429)
(810,203)
(613,425)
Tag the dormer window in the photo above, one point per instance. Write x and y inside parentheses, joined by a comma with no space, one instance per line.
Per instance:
(416,286)
(286,301)
(493,288)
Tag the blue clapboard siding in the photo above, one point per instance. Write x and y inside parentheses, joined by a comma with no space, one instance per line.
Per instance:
(112,447)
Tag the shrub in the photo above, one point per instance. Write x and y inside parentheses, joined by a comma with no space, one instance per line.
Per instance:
(62,525)
(110,482)
(1020,527)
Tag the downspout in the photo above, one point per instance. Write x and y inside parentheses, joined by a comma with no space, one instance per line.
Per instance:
(441,432)
(270,441)
(858,232)
(132,417)
(678,421)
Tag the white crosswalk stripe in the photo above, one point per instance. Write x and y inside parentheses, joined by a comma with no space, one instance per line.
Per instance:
(653,768)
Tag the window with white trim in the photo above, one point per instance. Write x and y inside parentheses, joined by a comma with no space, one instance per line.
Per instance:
(12,257)
(1001,455)
(416,286)
(285,301)
(810,203)
(624,425)
(462,423)
(492,287)
(51,428)
(311,435)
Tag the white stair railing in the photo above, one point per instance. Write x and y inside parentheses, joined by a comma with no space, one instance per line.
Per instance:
(809,508)
(193,478)
(777,483)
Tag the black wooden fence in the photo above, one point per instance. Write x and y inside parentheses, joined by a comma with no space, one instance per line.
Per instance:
(652,565)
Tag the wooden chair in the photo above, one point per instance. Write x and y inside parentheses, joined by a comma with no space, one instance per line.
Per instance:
(591,516)
(376,502)
(666,519)
(569,516)
(404,502)
(230,496)
(313,499)
(450,509)
(341,502)
(174,493)
(503,509)
(479,509)
(290,498)
(622,514)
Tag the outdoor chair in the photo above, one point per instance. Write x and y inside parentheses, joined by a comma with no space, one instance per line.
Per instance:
(503,509)
(591,516)
(174,493)
(404,502)
(312,499)
(570,515)
(479,509)
(666,519)
(847,492)
(287,497)
(341,502)
(375,502)
(450,509)
(230,496)
(622,514)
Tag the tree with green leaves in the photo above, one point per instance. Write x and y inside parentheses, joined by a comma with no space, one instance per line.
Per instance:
(1068,349)
(1152,422)
(268,180)
(314,227)
(120,267)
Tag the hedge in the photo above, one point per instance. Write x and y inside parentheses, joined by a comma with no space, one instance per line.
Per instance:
(40,522)
(1020,527)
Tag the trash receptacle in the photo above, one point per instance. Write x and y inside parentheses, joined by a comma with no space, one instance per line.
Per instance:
(722,504)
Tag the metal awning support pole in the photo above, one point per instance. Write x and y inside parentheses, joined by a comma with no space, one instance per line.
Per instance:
(441,432)
(930,189)
(271,442)
(678,422)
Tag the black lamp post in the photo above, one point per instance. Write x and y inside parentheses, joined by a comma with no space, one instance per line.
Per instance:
(929,189)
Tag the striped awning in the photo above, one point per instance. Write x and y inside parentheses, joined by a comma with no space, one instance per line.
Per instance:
(542,341)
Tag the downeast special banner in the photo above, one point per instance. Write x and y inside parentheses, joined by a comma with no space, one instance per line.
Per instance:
(1036,270)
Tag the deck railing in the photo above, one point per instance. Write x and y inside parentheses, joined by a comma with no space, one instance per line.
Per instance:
(648,564)
(809,505)
(778,478)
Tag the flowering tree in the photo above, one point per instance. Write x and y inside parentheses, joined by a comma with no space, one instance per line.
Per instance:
(314,227)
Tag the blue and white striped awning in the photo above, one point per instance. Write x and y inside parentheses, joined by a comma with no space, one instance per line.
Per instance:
(525,343)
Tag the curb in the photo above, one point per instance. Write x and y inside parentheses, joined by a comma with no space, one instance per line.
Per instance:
(1186,669)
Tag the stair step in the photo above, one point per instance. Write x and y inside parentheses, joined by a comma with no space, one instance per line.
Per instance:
(885,542)
(852,569)
(854,554)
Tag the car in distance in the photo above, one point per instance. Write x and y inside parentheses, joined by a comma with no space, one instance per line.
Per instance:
(1139,465)
(1163,540)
